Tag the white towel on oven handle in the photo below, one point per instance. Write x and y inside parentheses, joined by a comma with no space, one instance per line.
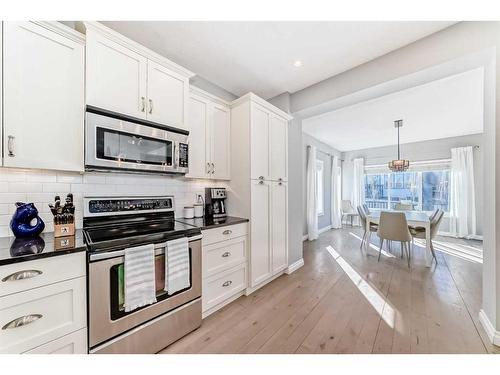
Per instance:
(139,267)
(177,267)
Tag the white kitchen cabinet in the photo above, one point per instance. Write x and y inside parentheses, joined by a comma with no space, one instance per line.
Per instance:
(258,187)
(278,141)
(220,141)
(43,103)
(209,136)
(167,93)
(74,343)
(116,76)
(259,143)
(260,254)
(125,77)
(279,233)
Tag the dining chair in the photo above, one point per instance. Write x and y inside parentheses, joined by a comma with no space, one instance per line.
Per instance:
(403,206)
(419,232)
(347,210)
(366,209)
(368,231)
(394,227)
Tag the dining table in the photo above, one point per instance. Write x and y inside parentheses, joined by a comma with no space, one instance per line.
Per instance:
(414,219)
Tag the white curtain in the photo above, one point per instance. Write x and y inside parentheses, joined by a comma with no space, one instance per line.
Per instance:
(335,195)
(358,184)
(462,194)
(312,214)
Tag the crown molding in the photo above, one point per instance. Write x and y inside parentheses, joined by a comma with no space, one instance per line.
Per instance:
(61,29)
(138,48)
(264,103)
(197,91)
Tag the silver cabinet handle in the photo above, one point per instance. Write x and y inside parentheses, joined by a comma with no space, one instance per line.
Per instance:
(208,168)
(143,101)
(227,231)
(261,182)
(213,168)
(261,177)
(150,106)
(226,254)
(21,275)
(10,146)
(22,321)
(227,283)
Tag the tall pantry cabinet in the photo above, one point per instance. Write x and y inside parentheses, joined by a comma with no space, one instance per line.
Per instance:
(258,187)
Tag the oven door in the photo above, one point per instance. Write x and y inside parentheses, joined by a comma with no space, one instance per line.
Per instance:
(108,319)
(116,144)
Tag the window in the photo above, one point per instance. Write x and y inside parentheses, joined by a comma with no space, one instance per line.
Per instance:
(320,194)
(424,190)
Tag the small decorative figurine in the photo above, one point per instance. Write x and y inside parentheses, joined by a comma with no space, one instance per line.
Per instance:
(21,221)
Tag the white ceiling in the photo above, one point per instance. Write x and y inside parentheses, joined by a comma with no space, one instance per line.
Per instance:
(259,56)
(448,107)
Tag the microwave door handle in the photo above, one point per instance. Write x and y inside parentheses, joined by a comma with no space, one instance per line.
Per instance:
(175,154)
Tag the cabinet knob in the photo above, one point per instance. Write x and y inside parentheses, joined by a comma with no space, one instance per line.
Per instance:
(280,179)
(261,177)
(226,254)
(261,182)
(10,146)
(227,283)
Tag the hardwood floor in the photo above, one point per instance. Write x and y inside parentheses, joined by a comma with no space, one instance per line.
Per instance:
(344,301)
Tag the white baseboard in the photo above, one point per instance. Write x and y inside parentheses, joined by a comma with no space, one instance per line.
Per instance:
(325,229)
(492,333)
(294,266)
(448,234)
(305,237)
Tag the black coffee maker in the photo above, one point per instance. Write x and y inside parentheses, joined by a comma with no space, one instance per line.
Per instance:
(215,202)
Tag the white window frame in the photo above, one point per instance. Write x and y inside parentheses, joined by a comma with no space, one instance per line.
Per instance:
(320,191)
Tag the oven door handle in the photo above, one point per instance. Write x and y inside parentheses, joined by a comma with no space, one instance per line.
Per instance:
(159,249)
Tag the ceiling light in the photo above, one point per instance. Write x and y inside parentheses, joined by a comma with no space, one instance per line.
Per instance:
(399,165)
(297,63)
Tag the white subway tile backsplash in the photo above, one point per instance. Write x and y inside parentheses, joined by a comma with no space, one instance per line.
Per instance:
(40,187)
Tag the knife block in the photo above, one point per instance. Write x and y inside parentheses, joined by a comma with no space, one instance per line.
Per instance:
(63,230)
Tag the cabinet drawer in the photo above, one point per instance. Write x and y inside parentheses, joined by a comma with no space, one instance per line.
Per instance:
(36,273)
(74,343)
(223,286)
(54,310)
(224,233)
(223,255)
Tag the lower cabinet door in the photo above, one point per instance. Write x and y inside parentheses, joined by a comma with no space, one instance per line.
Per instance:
(223,286)
(279,240)
(35,317)
(260,253)
(74,343)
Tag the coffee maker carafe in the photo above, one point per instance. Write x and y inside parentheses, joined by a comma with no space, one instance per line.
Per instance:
(215,202)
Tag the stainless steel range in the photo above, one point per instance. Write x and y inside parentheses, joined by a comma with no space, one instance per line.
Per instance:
(110,226)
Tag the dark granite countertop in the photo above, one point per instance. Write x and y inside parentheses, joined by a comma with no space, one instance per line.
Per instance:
(13,250)
(209,223)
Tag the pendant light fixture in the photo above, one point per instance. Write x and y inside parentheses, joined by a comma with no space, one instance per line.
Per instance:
(399,165)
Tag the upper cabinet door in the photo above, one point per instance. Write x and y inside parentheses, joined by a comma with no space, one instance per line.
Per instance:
(278,133)
(167,96)
(116,76)
(198,138)
(43,98)
(220,134)
(259,143)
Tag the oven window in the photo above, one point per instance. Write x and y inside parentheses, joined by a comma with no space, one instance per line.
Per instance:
(117,280)
(126,147)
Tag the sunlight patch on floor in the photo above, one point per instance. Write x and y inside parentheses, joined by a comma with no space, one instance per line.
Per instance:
(460,251)
(384,253)
(381,306)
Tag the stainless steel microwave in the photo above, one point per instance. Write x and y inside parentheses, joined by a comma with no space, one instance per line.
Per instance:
(117,142)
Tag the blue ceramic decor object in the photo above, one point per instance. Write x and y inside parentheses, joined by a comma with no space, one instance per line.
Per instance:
(21,223)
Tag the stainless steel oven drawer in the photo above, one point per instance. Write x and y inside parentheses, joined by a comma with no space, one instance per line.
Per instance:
(156,334)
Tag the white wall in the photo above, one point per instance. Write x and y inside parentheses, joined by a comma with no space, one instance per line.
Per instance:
(421,151)
(324,153)
(40,187)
